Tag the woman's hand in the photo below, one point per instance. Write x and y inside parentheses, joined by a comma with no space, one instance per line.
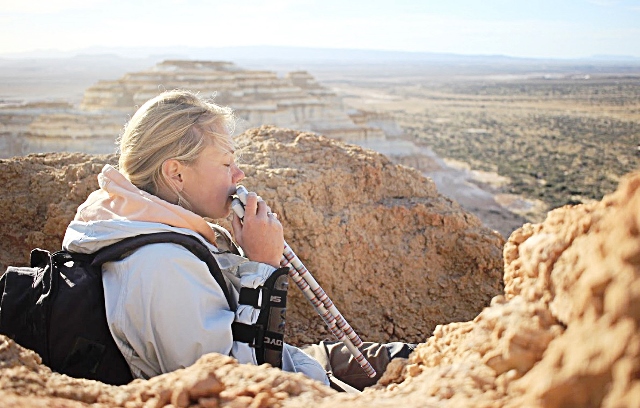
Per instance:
(260,233)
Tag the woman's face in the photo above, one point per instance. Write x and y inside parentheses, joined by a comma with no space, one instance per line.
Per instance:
(210,181)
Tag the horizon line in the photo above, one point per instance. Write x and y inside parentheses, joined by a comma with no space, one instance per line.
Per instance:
(152,51)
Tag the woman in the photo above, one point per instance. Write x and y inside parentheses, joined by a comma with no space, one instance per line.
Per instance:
(164,309)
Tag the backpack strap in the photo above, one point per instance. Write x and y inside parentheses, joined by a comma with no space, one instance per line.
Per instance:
(266,335)
(194,245)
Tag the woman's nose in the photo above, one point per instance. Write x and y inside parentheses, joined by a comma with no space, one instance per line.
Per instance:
(237,174)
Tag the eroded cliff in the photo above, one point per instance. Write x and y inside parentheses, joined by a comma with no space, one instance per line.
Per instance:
(257,97)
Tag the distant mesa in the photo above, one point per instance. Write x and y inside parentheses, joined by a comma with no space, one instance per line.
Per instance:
(295,101)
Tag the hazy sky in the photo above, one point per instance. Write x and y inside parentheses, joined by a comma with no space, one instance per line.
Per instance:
(534,28)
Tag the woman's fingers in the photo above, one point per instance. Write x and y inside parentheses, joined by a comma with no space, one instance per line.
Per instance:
(263,208)
(256,205)
(251,206)
(260,234)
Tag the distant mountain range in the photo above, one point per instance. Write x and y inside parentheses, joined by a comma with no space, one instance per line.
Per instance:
(276,54)
(50,74)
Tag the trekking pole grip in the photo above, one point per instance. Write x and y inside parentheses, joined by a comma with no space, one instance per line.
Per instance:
(314,294)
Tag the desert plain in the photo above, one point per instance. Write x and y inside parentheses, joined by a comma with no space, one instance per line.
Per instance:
(536,141)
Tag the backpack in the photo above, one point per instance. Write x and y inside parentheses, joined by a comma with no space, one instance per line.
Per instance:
(56,306)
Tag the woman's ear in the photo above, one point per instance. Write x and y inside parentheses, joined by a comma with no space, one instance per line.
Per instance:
(171,170)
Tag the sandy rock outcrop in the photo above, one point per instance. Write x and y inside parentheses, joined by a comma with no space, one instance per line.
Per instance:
(40,195)
(396,257)
(388,249)
(563,334)
(214,380)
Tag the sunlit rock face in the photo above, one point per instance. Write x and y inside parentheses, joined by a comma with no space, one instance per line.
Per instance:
(401,262)
(295,100)
(564,334)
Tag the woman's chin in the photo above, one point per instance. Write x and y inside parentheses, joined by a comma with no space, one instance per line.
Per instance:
(216,214)
(226,211)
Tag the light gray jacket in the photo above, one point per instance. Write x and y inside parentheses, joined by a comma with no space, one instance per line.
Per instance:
(164,308)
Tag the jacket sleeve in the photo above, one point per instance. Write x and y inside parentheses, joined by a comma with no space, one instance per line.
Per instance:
(167,308)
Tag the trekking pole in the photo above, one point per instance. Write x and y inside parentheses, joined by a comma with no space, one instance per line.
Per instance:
(314,294)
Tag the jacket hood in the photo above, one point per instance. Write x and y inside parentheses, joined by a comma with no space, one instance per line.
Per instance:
(118,206)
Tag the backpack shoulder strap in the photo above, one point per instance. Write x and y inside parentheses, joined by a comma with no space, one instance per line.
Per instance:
(194,245)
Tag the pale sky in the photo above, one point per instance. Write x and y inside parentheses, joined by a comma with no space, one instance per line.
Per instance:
(534,28)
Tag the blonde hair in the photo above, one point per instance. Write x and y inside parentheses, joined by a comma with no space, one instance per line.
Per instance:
(174,125)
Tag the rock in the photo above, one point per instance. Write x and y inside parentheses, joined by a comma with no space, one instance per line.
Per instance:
(214,380)
(40,196)
(565,334)
(393,254)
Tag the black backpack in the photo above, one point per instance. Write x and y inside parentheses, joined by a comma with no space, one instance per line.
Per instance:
(56,307)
